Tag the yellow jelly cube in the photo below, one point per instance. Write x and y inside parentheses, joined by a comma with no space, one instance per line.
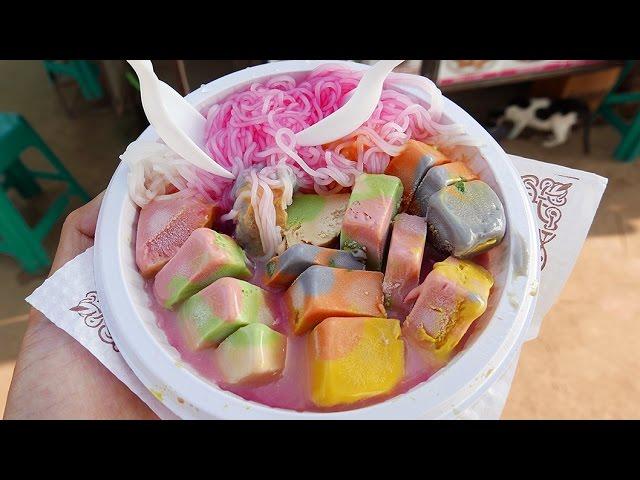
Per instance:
(453,295)
(354,358)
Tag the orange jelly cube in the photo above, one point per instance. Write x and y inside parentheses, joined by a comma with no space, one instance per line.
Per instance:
(352,359)
(321,292)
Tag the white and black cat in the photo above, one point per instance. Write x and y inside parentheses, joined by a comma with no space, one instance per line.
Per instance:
(546,115)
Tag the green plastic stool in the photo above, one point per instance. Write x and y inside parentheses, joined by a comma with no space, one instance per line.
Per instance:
(629,147)
(16,237)
(85,73)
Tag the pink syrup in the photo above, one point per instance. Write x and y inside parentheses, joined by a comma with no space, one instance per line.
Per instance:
(290,390)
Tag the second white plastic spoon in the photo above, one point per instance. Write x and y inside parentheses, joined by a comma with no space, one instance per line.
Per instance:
(352,114)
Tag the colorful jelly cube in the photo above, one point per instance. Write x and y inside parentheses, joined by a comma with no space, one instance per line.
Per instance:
(353,359)
(164,225)
(436,179)
(205,257)
(373,203)
(402,273)
(247,232)
(285,268)
(465,219)
(253,354)
(453,295)
(315,219)
(412,165)
(321,292)
(214,313)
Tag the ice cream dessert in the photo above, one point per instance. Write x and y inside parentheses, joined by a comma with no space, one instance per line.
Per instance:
(315,219)
(354,359)
(435,180)
(206,256)
(452,296)
(413,163)
(214,313)
(283,269)
(164,225)
(315,279)
(252,354)
(404,262)
(373,203)
(465,219)
(322,292)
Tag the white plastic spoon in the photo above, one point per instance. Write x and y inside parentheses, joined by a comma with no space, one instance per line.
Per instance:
(352,114)
(175,120)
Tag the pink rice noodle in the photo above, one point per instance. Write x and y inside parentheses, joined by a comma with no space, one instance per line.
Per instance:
(254,128)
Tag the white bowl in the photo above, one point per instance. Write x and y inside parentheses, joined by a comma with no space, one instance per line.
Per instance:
(497,336)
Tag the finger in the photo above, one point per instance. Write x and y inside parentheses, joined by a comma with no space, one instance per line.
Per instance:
(77,232)
(88,216)
(72,243)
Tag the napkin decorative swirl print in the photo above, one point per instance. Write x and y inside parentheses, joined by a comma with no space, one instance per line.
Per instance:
(91,314)
(548,196)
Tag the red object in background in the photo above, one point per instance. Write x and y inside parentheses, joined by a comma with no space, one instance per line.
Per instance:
(465,71)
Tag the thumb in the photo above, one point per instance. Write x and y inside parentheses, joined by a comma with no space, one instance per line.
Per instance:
(77,232)
(88,216)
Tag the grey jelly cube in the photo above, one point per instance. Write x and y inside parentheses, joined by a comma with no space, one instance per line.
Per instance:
(285,268)
(465,219)
(410,166)
(435,180)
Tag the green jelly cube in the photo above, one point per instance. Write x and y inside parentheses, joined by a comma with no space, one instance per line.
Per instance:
(205,257)
(211,315)
(315,219)
(253,354)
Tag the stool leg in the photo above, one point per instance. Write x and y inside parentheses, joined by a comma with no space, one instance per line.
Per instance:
(629,143)
(87,80)
(636,153)
(20,239)
(74,186)
(632,150)
(19,177)
(53,70)
(93,71)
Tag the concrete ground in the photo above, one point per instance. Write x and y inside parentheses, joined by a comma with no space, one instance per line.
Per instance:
(584,363)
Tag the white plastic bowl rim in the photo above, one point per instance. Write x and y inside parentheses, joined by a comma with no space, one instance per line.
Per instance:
(446,394)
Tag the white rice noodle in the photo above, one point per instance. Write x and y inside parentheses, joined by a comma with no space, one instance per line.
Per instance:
(261,196)
(153,167)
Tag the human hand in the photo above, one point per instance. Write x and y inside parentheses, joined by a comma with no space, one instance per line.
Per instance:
(57,378)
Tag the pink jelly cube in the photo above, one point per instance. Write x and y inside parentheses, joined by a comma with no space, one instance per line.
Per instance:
(205,257)
(404,261)
(373,203)
(164,225)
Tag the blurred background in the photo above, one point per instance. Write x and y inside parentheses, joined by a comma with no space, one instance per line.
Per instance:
(68,121)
